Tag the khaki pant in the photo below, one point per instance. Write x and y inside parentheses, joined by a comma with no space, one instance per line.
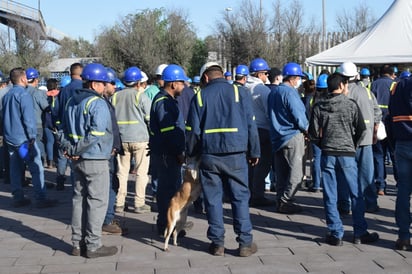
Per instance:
(138,151)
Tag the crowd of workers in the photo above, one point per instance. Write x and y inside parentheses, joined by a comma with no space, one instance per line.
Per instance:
(249,133)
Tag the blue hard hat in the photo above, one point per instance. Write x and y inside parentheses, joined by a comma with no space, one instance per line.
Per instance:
(132,74)
(308,75)
(365,72)
(228,73)
(258,64)
(111,74)
(242,70)
(173,73)
(119,85)
(405,74)
(292,69)
(65,80)
(32,73)
(322,81)
(95,72)
(196,79)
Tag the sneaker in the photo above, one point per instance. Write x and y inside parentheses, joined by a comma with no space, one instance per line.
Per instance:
(288,208)
(332,240)
(366,238)
(246,251)
(119,209)
(216,250)
(22,202)
(102,251)
(142,209)
(46,203)
(403,244)
(112,228)
(261,202)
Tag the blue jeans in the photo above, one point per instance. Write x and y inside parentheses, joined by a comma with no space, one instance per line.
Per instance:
(90,198)
(49,143)
(113,187)
(229,172)
(258,173)
(317,152)
(403,154)
(17,167)
(338,170)
(169,178)
(364,160)
(379,163)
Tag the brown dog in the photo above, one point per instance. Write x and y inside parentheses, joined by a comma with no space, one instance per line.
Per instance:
(177,212)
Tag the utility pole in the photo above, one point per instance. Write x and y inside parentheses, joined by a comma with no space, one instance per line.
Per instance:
(323,26)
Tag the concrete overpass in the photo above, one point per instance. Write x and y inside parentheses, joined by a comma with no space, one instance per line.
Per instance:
(13,13)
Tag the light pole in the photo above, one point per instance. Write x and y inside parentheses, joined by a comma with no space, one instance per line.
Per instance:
(323,26)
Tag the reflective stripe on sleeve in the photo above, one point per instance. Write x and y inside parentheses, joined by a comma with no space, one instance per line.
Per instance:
(220,130)
(166,129)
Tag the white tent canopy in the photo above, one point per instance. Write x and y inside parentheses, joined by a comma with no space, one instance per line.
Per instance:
(388,41)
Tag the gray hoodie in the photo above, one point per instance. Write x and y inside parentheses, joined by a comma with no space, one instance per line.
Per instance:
(337,125)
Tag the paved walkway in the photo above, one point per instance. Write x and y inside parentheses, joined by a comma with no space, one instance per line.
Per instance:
(38,241)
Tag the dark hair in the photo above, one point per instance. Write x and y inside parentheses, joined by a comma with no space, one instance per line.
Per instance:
(335,80)
(386,69)
(309,86)
(51,84)
(273,72)
(74,67)
(16,74)
(324,71)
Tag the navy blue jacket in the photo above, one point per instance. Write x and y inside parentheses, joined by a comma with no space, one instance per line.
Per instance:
(64,95)
(221,121)
(400,109)
(167,127)
(381,88)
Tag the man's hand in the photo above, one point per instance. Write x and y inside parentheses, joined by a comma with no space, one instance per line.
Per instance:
(253,161)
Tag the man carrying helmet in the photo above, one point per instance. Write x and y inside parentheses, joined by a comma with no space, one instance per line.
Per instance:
(20,130)
(258,70)
(132,112)
(288,127)
(88,142)
(167,140)
(221,132)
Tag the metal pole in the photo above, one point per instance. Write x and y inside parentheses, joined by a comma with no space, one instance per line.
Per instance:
(323,25)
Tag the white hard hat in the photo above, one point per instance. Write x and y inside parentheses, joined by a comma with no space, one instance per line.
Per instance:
(144,77)
(208,65)
(160,68)
(44,88)
(348,69)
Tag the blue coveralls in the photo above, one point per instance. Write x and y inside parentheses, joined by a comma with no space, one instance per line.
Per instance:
(221,131)
(167,141)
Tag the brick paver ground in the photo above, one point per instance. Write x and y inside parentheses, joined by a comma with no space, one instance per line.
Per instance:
(38,241)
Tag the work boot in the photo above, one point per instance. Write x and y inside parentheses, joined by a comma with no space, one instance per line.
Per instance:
(366,238)
(21,202)
(288,208)
(403,244)
(246,251)
(142,209)
(102,251)
(114,228)
(216,250)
